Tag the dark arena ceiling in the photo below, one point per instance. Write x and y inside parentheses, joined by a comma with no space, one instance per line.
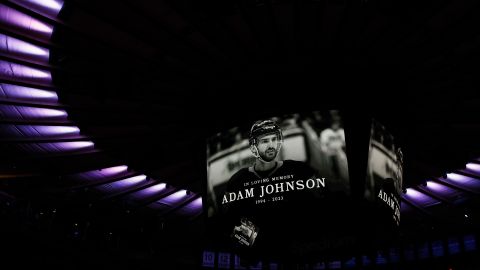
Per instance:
(105,108)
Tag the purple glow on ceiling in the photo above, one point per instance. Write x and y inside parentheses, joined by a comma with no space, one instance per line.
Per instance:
(436,187)
(114,170)
(48,7)
(78,145)
(15,71)
(19,48)
(442,189)
(57,130)
(174,198)
(457,177)
(31,113)
(420,198)
(105,173)
(152,190)
(195,205)
(57,147)
(405,208)
(28,131)
(474,167)
(463,180)
(197,202)
(149,192)
(19,21)
(26,93)
(192,208)
(122,184)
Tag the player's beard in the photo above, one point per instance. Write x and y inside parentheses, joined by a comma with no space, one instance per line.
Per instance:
(269,155)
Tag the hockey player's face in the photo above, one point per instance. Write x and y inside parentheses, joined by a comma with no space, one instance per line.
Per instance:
(268,147)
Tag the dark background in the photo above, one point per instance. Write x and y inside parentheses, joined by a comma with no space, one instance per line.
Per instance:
(148,82)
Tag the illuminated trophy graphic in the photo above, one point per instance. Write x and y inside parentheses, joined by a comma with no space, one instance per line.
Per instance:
(245,233)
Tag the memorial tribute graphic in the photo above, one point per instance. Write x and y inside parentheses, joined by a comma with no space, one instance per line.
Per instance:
(267,179)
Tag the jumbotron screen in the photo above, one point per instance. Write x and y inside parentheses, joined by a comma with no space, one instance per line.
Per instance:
(384,171)
(271,181)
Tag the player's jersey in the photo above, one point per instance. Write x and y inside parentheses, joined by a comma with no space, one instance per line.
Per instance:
(267,198)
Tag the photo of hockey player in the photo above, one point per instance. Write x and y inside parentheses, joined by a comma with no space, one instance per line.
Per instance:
(268,182)
(271,174)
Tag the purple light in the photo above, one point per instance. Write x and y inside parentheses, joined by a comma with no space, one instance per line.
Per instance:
(458,178)
(152,190)
(14,71)
(131,181)
(412,192)
(436,187)
(191,208)
(149,192)
(405,208)
(444,191)
(78,145)
(420,198)
(31,113)
(57,130)
(473,167)
(114,170)
(19,21)
(174,198)
(57,147)
(49,7)
(121,184)
(41,112)
(100,174)
(22,49)
(27,93)
(37,131)
(463,180)
(197,203)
